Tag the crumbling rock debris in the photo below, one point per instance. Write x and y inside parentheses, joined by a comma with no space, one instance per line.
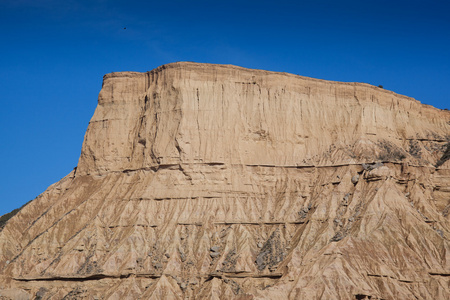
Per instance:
(41,293)
(337,237)
(200,181)
(272,252)
(73,294)
(355,179)
(229,263)
(370,167)
(445,156)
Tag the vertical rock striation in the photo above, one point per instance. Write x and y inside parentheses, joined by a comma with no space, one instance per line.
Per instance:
(203,181)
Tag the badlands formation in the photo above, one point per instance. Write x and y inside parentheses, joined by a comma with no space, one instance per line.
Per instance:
(200,181)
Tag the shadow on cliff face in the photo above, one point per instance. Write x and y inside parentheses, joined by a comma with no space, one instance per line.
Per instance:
(445,156)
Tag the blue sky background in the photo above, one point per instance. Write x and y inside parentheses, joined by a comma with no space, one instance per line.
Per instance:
(54,53)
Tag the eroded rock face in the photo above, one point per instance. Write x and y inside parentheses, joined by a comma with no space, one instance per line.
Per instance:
(207,181)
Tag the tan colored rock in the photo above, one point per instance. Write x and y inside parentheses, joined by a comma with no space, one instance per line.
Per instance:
(207,181)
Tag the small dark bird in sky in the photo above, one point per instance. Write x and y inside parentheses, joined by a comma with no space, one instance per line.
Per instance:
(124,28)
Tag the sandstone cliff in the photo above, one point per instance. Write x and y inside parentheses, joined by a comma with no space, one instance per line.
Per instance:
(201,181)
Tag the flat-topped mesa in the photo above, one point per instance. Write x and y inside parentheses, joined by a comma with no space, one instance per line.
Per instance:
(201,181)
(202,113)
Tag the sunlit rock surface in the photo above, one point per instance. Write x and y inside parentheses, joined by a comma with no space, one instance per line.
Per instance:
(200,181)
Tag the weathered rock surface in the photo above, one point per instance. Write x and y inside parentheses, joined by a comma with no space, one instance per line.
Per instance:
(207,181)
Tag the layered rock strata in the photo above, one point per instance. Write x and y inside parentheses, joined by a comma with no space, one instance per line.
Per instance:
(200,181)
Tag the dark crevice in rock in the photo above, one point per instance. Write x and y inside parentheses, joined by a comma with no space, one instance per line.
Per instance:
(78,279)
(275,275)
(439,274)
(364,297)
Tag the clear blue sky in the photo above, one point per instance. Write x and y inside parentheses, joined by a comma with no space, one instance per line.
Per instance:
(54,53)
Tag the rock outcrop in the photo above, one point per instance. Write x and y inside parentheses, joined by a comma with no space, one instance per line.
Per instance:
(201,181)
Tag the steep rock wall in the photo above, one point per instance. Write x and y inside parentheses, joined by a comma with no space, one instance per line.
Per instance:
(199,113)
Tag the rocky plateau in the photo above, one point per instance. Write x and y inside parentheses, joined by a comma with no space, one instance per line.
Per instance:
(201,181)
